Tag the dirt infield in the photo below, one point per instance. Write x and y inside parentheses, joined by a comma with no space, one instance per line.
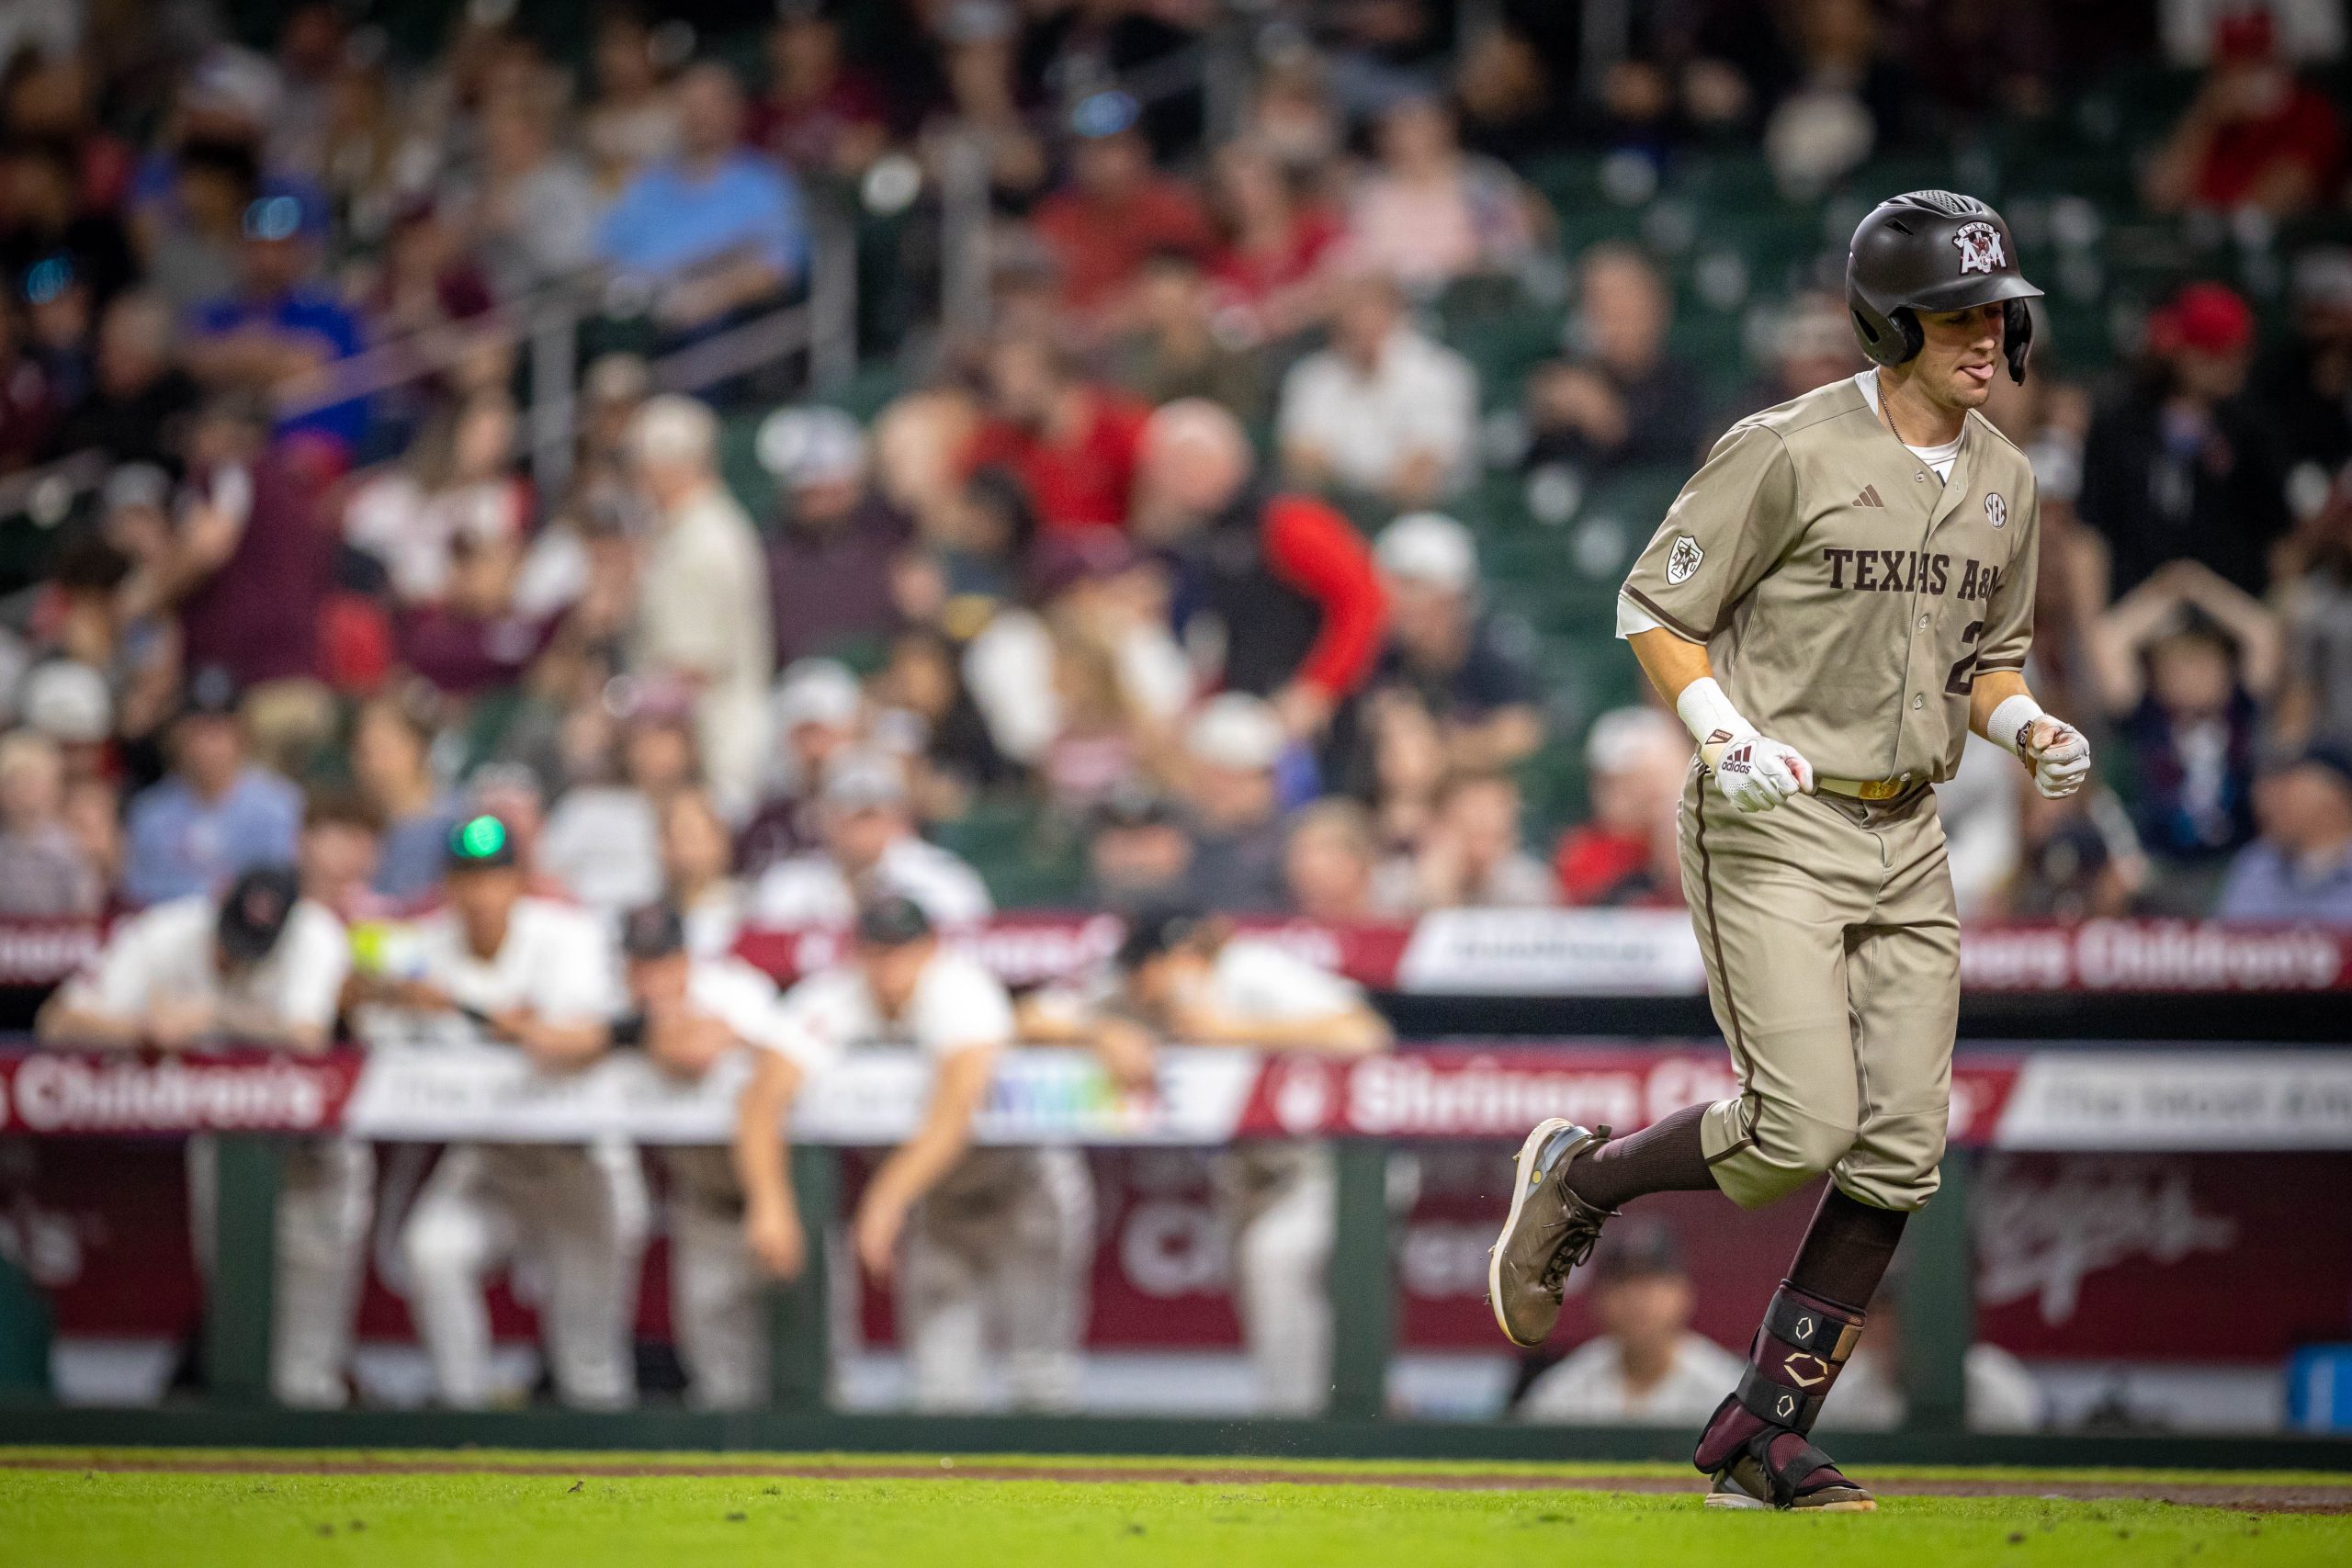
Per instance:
(2219,1492)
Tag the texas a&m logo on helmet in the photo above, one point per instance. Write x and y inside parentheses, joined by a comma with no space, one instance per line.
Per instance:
(1980,248)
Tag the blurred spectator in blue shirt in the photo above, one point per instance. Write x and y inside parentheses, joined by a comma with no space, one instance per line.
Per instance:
(2301,869)
(217,814)
(278,328)
(720,227)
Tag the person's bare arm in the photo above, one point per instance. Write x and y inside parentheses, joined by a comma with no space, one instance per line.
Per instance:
(2248,621)
(1126,1047)
(561,1046)
(1355,1030)
(61,1022)
(763,1165)
(1671,662)
(916,1166)
(1497,741)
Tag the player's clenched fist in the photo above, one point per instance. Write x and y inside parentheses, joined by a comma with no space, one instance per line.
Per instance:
(2056,751)
(1756,772)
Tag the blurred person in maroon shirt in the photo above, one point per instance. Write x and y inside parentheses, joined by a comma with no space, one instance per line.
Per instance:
(1286,577)
(2256,135)
(1634,758)
(833,552)
(474,640)
(1116,210)
(1073,444)
(818,115)
(251,569)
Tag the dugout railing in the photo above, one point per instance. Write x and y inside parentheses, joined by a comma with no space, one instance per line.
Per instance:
(2103,1098)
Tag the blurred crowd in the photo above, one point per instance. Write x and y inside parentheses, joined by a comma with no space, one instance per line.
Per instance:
(1160,539)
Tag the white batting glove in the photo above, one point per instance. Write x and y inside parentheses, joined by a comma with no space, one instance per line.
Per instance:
(2055,750)
(1756,772)
(2058,754)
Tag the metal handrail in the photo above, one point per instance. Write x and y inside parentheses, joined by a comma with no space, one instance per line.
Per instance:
(547,319)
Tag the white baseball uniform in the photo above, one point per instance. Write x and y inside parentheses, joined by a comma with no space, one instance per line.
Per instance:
(326,1186)
(718,1292)
(574,1214)
(998,1252)
(1276,1198)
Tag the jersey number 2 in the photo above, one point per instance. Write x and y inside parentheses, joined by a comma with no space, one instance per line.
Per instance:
(1964,671)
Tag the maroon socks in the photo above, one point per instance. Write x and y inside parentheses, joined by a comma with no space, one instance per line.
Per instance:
(1662,1157)
(1808,1331)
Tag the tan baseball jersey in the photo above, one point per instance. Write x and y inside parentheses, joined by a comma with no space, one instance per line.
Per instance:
(1846,596)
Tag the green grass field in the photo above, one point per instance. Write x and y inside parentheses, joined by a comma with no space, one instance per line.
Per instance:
(220,1508)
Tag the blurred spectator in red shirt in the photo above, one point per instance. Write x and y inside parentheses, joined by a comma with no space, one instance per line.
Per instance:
(1272,267)
(1634,758)
(1116,210)
(1073,443)
(818,115)
(1287,578)
(2256,135)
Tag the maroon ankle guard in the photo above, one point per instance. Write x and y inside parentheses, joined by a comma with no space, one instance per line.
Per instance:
(1793,1363)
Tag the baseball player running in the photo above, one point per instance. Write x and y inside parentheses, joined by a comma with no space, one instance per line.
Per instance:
(1835,600)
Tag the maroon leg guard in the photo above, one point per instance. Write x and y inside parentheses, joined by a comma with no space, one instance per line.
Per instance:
(1792,1366)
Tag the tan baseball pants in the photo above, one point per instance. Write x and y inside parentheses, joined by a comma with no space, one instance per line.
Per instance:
(995,1271)
(1832,946)
(575,1216)
(326,1195)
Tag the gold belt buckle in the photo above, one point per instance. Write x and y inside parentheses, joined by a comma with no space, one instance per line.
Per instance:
(1882,789)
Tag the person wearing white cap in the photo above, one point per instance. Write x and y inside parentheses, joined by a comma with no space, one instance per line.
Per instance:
(870,850)
(69,702)
(1472,673)
(1230,748)
(833,556)
(702,597)
(815,715)
(1624,854)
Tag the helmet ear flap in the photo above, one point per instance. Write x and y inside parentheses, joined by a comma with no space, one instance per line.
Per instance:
(2017,336)
(1915,337)
(1891,339)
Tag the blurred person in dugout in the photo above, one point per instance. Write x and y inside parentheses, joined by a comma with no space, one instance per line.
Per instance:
(496,966)
(260,965)
(1645,1366)
(988,1249)
(1182,978)
(695,1013)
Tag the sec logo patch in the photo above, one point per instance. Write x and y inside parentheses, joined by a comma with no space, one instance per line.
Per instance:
(1684,559)
(1996,510)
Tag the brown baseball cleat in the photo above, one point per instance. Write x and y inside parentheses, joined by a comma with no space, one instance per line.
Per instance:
(1746,1483)
(1550,1230)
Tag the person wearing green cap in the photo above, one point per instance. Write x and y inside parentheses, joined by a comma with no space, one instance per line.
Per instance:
(497,965)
